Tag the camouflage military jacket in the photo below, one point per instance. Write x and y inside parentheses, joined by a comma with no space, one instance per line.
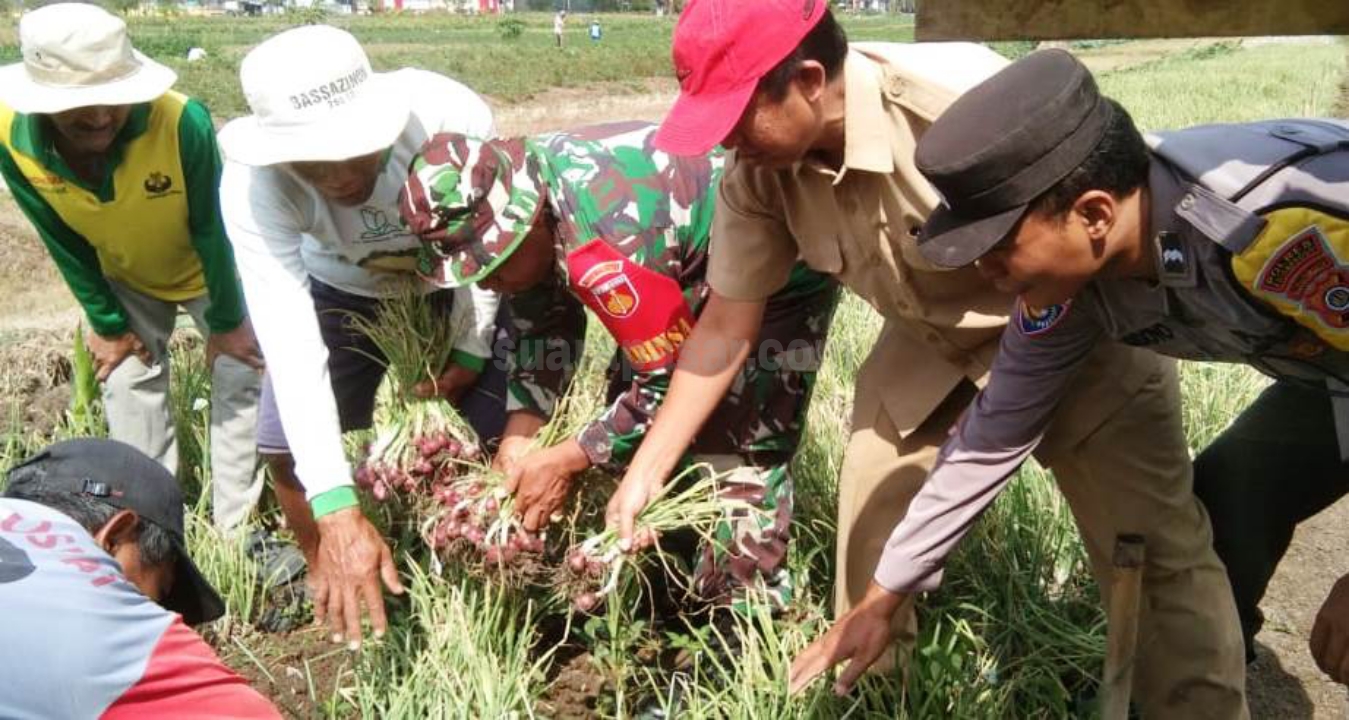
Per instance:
(631,237)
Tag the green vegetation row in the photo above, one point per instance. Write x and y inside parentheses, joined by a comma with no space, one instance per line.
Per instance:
(508,58)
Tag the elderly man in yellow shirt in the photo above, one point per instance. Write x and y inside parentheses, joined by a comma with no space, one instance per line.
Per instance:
(119,175)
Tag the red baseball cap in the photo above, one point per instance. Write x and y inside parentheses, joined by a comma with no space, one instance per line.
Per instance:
(721,49)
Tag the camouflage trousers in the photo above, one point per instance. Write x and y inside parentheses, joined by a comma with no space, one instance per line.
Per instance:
(744,562)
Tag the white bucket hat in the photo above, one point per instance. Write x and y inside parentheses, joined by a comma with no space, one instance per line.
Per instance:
(78,55)
(314,98)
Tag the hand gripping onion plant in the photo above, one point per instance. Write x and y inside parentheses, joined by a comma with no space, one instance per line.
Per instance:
(596,567)
(475,523)
(419,445)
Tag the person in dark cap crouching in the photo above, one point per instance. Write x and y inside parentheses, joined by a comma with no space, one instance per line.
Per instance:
(97,589)
(1220,242)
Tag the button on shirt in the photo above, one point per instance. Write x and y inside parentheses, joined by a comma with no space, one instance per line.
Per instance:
(1195,309)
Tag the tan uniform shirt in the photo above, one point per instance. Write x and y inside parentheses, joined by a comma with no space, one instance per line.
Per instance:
(859,223)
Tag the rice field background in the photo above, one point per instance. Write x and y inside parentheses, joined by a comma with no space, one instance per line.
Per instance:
(1015,631)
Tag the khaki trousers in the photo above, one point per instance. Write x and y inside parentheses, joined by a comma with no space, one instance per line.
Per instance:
(140,414)
(1132,475)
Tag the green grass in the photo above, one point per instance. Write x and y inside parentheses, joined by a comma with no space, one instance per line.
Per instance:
(468,48)
(1021,636)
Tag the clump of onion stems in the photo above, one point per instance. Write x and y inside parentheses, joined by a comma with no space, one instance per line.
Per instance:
(596,566)
(420,445)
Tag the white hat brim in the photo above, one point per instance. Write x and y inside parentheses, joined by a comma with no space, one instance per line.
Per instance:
(368,124)
(19,91)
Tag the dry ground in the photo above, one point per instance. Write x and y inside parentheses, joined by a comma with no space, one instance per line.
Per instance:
(38,315)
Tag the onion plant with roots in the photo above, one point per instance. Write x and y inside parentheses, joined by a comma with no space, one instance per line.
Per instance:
(690,501)
(420,444)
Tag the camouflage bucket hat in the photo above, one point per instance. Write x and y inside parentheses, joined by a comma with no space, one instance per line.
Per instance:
(471,202)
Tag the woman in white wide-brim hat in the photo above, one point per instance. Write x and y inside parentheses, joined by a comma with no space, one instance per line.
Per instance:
(119,176)
(310,198)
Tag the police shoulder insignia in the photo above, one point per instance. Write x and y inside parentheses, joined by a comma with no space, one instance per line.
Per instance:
(1033,321)
(1298,265)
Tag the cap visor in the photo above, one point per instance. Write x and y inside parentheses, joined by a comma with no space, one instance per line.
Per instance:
(446,278)
(951,241)
(192,596)
(370,124)
(698,123)
(18,91)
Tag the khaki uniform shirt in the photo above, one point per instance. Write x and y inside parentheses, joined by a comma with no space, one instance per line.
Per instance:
(859,223)
(1250,226)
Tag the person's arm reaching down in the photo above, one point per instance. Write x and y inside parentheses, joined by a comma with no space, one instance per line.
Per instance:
(997,434)
(264,228)
(708,362)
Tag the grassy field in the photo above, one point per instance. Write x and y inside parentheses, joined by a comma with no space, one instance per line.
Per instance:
(1017,637)
(471,49)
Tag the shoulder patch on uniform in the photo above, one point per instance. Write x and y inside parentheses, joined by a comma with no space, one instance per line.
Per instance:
(1033,321)
(1298,266)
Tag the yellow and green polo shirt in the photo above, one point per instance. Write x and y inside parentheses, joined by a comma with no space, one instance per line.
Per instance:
(152,224)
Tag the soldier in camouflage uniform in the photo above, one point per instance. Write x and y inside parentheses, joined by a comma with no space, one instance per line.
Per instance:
(598,218)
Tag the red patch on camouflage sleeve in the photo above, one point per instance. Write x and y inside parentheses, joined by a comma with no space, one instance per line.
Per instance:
(643,310)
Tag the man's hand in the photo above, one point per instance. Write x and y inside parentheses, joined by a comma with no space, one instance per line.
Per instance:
(110,351)
(352,560)
(629,500)
(1330,633)
(451,385)
(860,636)
(239,343)
(516,438)
(541,481)
(511,450)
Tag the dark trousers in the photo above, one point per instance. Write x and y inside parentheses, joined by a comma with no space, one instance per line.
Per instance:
(356,368)
(1276,465)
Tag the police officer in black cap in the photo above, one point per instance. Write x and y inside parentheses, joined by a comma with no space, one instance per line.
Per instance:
(1224,243)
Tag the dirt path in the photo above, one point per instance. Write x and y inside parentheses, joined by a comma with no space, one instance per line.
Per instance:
(1284,682)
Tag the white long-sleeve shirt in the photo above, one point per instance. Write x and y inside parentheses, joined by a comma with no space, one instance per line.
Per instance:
(284,232)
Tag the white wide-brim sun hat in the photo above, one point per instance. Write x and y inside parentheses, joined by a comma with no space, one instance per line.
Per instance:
(314,99)
(78,55)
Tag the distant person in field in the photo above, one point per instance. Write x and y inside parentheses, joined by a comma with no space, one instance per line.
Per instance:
(1225,243)
(119,175)
(310,198)
(559,25)
(597,218)
(824,135)
(97,591)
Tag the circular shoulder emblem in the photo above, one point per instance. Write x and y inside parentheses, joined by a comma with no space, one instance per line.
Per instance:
(1038,321)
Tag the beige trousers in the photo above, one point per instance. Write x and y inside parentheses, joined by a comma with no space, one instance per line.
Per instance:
(1132,475)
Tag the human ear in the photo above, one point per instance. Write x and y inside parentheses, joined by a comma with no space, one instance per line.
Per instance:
(1097,211)
(120,528)
(811,79)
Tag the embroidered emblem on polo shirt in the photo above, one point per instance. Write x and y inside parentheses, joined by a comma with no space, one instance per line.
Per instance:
(158,183)
(1033,321)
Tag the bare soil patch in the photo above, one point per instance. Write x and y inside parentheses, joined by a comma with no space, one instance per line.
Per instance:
(561,108)
(35,296)
(297,671)
(1122,56)
(1284,682)
(574,690)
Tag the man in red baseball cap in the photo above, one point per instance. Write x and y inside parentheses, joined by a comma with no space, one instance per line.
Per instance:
(824,135)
